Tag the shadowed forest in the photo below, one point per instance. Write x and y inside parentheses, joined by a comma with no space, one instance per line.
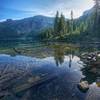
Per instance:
(86,28)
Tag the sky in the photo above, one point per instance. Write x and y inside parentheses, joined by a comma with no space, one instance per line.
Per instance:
(18,9)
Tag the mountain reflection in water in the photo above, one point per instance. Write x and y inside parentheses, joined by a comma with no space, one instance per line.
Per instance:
(51,71)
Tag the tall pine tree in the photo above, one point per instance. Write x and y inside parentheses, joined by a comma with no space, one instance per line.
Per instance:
(56,23)
(62,26)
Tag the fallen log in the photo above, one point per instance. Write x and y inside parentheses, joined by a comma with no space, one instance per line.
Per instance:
(33,83)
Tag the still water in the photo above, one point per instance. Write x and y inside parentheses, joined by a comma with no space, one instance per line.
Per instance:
(46,71)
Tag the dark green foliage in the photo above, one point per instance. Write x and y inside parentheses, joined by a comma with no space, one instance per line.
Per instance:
(85,28)
(62,26)
(46,34)
(28,27)
(59,26)
(56,24)
(58,32)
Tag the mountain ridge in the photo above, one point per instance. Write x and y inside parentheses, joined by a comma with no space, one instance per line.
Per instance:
(27,25)
(32,25)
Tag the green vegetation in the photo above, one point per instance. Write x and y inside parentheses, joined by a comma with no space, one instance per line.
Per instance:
(85,28)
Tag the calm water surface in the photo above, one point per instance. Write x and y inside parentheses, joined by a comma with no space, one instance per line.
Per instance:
(46,71)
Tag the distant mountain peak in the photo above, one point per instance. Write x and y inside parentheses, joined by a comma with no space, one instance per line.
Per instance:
(26,25)
(89,12)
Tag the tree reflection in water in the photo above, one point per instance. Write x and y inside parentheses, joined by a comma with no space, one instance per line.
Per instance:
(91,73)
(59,54)
(71,56)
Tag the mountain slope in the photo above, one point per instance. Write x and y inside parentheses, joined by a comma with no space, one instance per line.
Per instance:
(25,26)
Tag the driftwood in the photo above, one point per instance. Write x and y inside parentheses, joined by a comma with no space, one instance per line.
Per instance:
(33,83)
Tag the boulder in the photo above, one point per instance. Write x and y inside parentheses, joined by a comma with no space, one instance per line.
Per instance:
(98,55)
(83,86)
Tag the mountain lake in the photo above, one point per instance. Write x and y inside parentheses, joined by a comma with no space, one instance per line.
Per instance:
(47,71)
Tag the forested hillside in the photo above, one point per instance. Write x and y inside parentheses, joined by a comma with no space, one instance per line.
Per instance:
(25,27)
(84,28)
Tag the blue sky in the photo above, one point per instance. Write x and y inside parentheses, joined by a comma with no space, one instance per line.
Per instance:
(17,9)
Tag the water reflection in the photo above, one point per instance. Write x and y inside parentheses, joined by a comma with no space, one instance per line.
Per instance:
(59,52)
(44,61)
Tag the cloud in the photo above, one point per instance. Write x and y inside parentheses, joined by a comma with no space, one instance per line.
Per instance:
(8,13)
(65,6)
(25,8)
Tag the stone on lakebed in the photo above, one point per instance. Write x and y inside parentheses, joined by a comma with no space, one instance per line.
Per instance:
(83,86)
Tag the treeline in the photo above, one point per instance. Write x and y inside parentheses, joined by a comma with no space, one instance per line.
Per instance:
(86,28)
(64,29)
(92,32)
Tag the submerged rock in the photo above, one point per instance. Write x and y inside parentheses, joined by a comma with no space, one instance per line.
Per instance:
(83,86)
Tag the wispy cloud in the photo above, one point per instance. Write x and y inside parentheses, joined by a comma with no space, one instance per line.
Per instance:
(65,6)
(7,13)
(25,8)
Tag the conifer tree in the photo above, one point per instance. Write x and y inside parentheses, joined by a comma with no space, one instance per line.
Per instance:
(56,23)
(62,25)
